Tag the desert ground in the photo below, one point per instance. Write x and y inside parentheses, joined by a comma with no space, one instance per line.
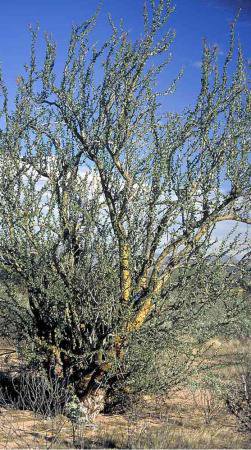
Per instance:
(187,417)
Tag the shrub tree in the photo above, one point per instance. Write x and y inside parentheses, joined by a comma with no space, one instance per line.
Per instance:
(109,203)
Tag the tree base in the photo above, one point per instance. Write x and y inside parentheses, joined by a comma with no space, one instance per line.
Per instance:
(91,405)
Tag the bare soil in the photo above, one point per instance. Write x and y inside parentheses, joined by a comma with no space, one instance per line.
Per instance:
(176,421)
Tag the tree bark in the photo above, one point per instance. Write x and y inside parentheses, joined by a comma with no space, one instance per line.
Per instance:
(92,404)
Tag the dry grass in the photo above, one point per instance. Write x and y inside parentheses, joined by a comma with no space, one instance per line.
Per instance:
(178,421)
(174,423)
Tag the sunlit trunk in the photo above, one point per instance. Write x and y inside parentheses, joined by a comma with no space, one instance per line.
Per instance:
(92,404)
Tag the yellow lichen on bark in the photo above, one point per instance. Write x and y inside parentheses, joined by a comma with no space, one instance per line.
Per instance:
(142,284)
(141,316)
(148,304)
(125,276)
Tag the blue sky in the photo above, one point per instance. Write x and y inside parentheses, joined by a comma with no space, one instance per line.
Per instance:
(193,20)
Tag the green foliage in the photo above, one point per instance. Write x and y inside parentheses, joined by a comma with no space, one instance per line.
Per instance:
(237,393)
(73,409)
(108,205)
